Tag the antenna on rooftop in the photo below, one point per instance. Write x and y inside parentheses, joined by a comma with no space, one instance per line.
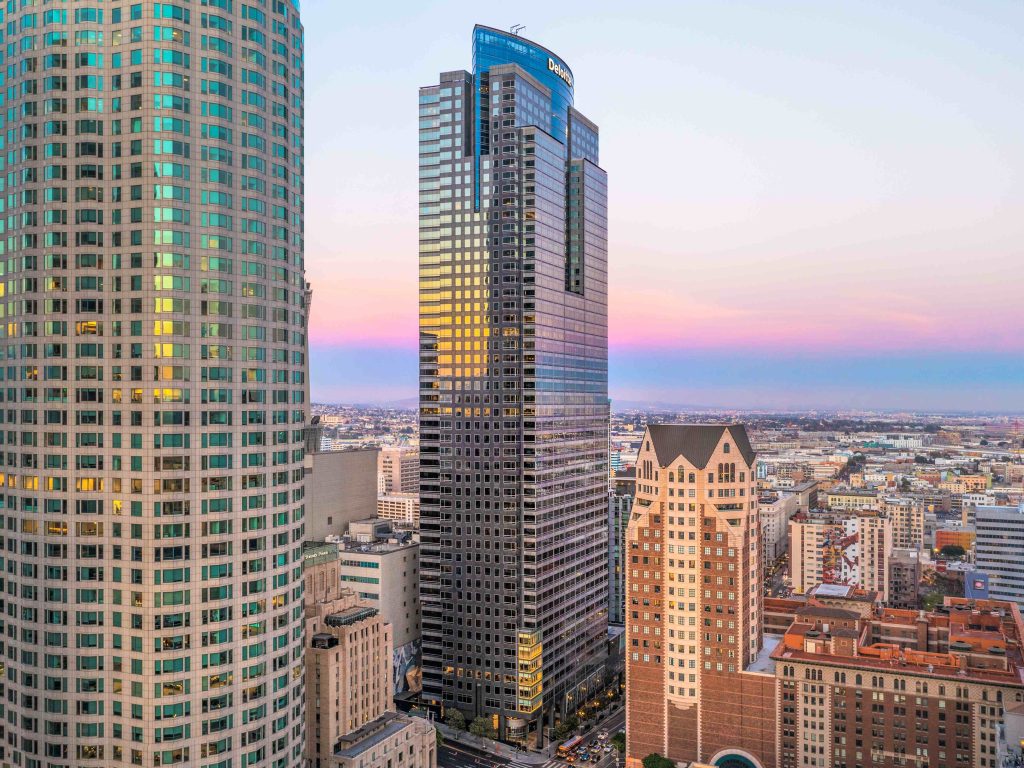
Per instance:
(515,29)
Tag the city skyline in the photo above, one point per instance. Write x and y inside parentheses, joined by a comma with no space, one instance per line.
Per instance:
(842,183)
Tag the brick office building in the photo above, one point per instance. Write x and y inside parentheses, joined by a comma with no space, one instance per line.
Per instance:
(840,683)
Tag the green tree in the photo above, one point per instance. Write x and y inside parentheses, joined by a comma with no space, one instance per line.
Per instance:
(953,551)
(654,760)
(566,726)
(455,719)
(619,741)
(481,726)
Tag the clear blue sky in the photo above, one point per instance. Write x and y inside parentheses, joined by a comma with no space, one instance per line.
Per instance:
(811,203)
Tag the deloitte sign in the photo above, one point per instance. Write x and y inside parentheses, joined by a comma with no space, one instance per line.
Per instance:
(562,72)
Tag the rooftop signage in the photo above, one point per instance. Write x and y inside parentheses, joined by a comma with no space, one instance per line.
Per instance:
(558,69)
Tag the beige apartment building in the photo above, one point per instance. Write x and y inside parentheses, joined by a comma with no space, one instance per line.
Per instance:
(349,647)
(398,470)
(403,508)
(839,499)
(840,548)
(775,516)
(907,516)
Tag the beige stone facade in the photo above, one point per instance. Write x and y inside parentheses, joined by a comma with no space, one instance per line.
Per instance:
(398,470)
(403,508)
(693,600)
(349,717)
(907,517)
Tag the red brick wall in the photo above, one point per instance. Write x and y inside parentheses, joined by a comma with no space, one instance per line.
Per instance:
(682,732)
(739,713)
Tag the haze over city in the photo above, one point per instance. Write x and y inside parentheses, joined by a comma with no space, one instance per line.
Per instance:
(811,205)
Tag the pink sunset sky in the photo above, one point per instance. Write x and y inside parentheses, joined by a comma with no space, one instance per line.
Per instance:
(822,182)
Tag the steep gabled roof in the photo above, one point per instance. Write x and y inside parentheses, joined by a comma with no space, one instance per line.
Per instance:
(696,442)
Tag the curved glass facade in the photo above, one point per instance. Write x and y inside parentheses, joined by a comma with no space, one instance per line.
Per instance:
(492,47)
(154,390)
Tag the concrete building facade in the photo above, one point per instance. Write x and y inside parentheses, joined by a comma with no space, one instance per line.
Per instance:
(398,470)
(342,489)
(381,564)
(400,508)
(156,393)
(350,722)
(775,516)
(907,516)
(905,578)
(619,507)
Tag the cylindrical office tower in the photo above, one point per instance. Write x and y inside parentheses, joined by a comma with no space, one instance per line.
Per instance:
(154,384)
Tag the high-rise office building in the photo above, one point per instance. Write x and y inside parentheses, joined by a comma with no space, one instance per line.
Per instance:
(513,389)
(998,547)
(155,385)
(698,685)
(619,506)
(398,470)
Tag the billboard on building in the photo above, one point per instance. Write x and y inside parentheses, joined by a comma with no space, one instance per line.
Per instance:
(976,585)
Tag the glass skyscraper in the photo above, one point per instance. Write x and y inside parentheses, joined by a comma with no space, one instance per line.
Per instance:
(154,385)
(513,390)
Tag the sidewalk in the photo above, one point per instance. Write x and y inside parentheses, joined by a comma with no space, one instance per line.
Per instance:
(467,739)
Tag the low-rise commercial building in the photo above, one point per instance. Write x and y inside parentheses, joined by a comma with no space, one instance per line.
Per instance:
(348,665)
(403,508)
(381,564)
(851,499)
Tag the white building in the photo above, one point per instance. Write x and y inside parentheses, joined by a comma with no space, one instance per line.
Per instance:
(999,550)
(775,517)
